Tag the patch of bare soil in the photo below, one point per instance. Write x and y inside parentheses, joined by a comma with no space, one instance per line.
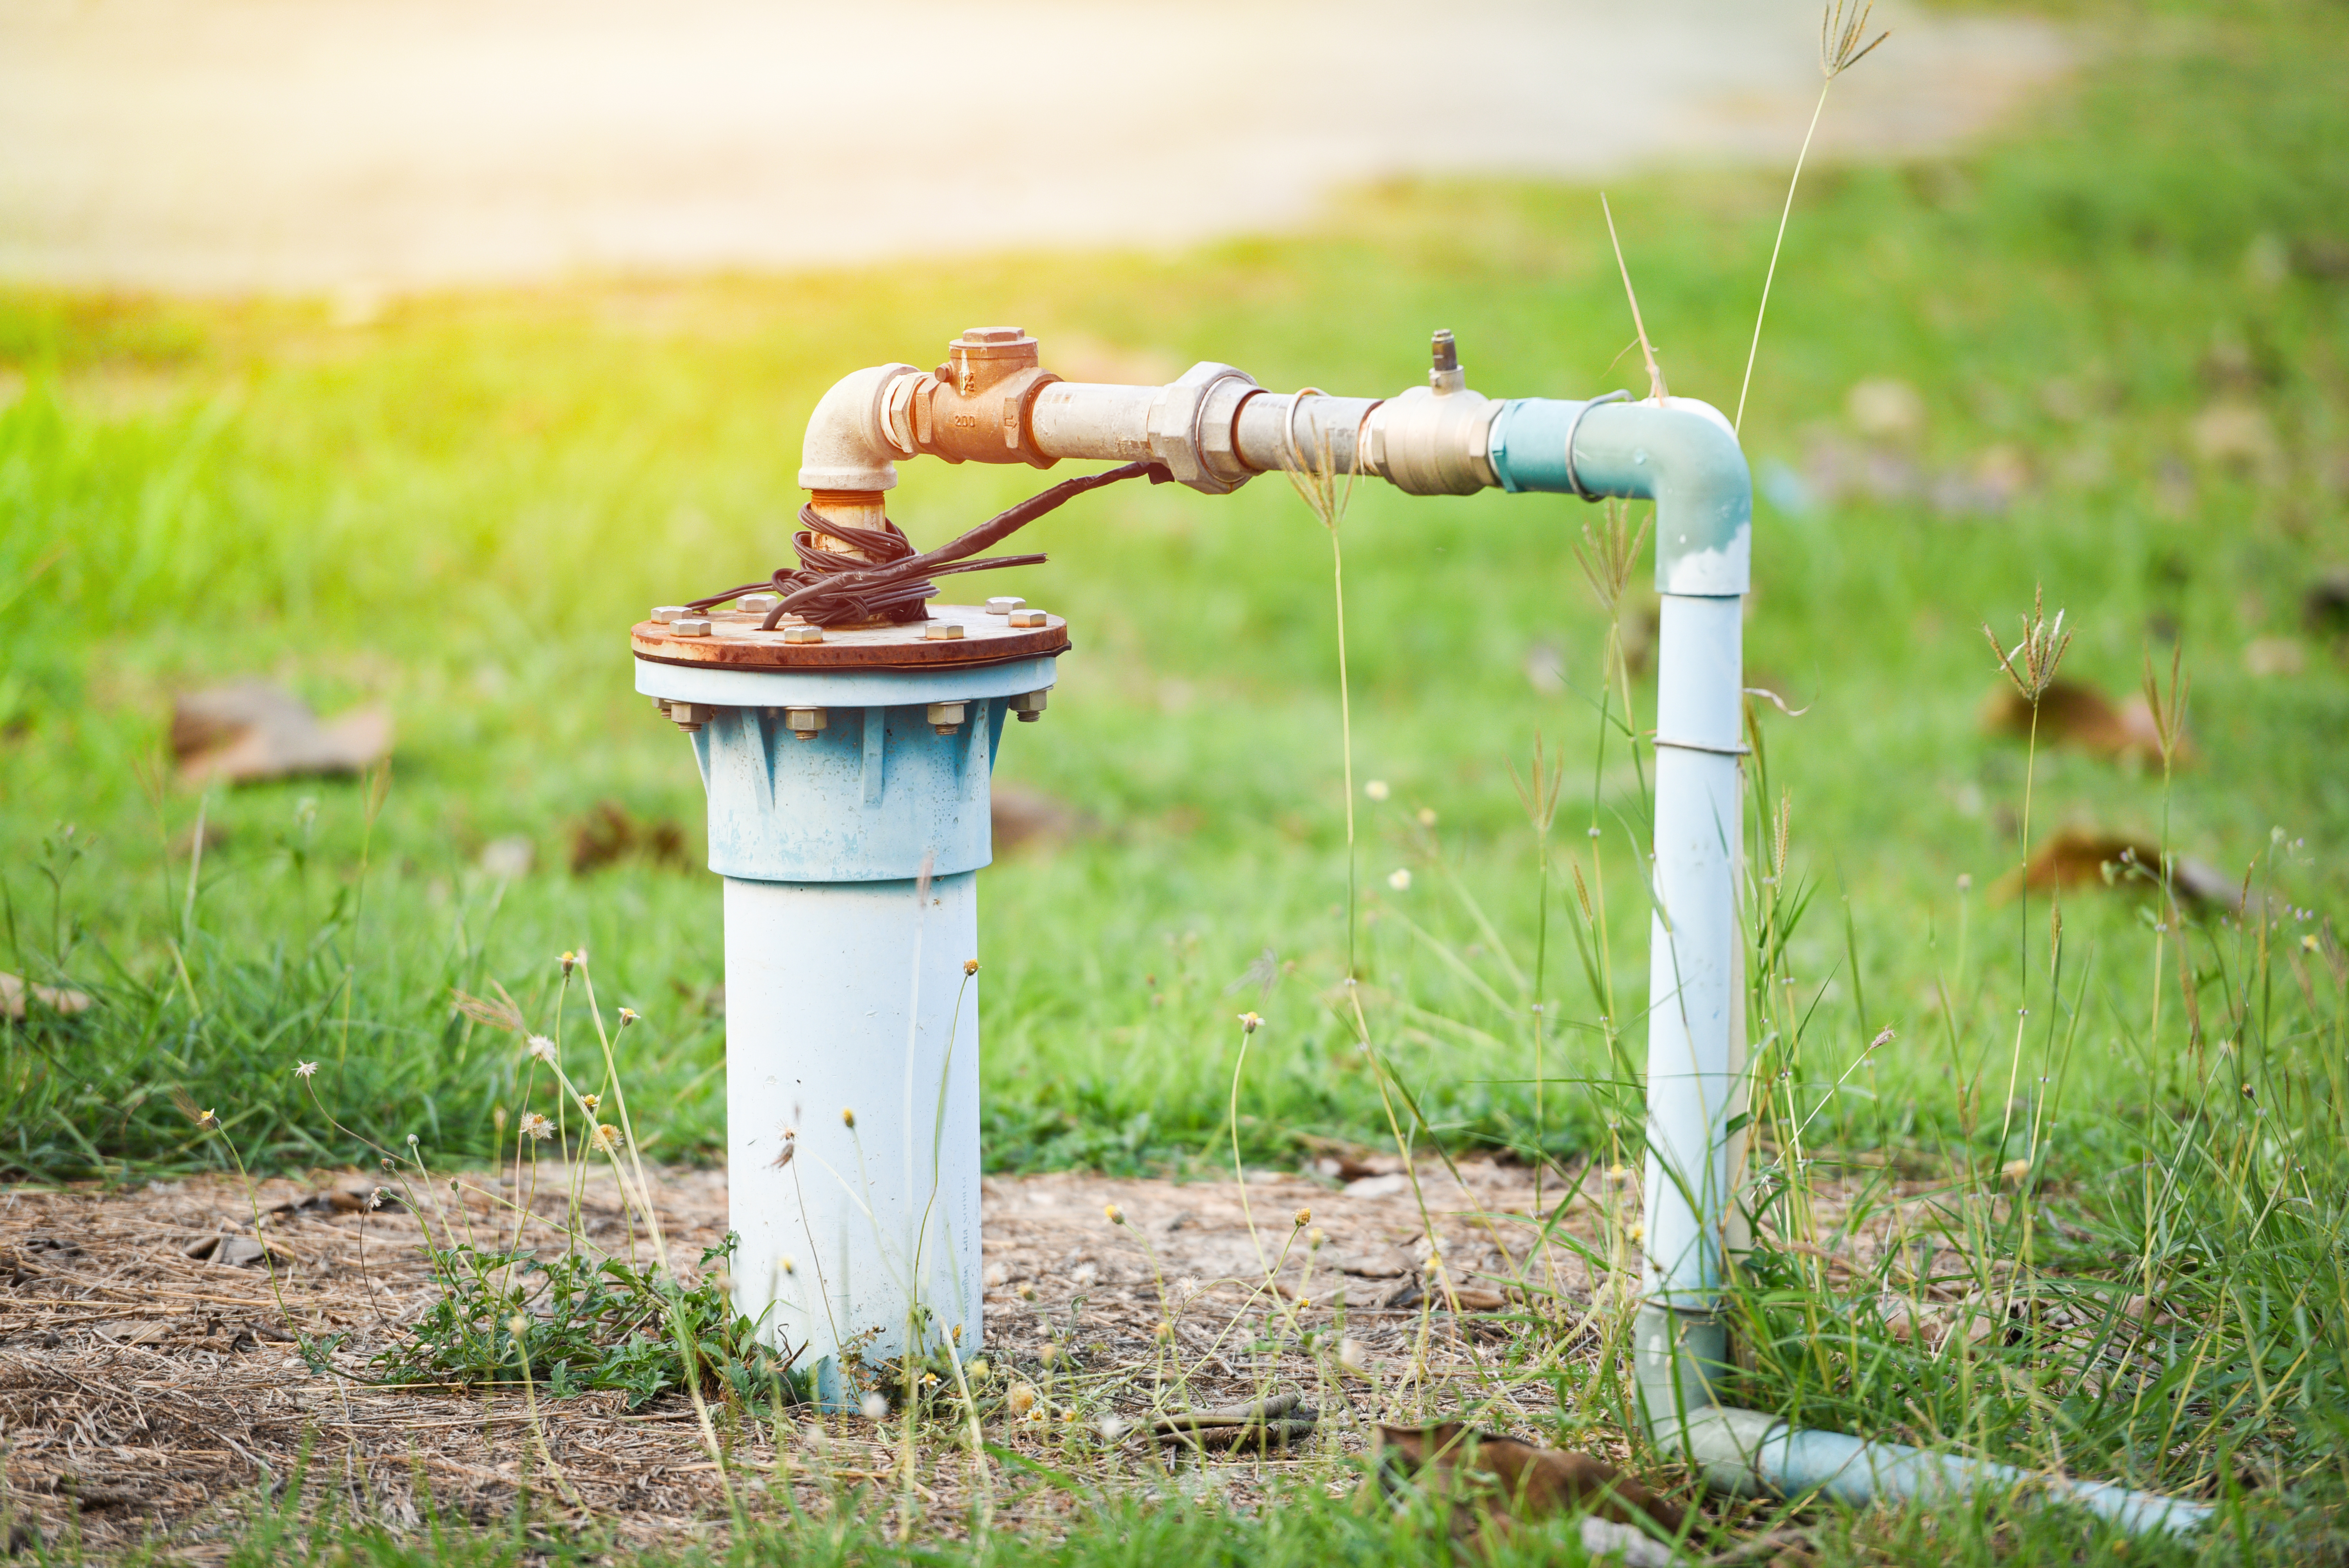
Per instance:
(149,1380)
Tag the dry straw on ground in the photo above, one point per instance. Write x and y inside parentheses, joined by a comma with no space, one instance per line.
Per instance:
(146,1392)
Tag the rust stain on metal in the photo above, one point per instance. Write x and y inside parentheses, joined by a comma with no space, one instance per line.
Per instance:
(740,643)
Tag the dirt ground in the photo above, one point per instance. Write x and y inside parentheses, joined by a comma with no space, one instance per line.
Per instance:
(147,1391)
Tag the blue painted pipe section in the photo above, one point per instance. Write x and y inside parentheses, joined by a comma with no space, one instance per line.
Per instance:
(869,797)
(1682,455)
(876,795)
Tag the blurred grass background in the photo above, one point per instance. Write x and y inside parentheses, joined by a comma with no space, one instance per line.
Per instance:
(2108,353)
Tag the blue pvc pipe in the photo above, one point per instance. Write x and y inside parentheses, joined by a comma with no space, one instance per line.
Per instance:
(1689,467)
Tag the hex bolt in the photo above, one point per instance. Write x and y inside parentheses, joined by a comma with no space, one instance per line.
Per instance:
(1028,705)
(1030,618)
(690,626)
(804,722)
(804,634)
(1004,604)
(665,613)
(689,716)
(945,718)
(941,632)
(758,604)
(660,706)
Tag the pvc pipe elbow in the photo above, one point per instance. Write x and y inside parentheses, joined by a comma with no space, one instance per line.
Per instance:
(1682,454)
(846,447)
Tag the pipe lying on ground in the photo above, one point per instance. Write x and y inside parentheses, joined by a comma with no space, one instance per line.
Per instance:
(1214,429)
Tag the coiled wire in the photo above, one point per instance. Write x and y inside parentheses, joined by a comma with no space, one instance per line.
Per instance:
(894,582)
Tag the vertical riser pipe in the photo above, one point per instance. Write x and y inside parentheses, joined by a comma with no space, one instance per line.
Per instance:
(851,999)
(1695,1040)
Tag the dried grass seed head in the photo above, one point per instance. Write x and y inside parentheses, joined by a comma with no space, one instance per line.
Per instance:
(2032,665)
(1839,35)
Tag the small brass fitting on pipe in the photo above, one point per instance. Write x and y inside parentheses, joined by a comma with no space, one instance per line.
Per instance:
(978,406)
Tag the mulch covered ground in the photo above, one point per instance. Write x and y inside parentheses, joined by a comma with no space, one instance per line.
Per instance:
(148,1384)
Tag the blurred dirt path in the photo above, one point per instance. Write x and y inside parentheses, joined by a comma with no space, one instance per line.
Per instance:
(310,144)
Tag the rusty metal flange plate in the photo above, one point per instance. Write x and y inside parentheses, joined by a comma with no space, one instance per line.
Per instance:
(738,642)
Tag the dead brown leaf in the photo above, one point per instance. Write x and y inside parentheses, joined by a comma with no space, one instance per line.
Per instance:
(252,730)
(608,834)
(2075,714)
(55,999)
(229,1251)
(1510,1481)
(2082,857)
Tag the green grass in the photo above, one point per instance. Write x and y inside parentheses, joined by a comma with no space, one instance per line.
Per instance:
(460,509)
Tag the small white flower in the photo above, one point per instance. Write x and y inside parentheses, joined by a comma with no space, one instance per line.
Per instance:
(1377,790)
(306,1069)
(592,1101)
(541,1047)
(1022,1399)
(1250,1022)
(538,1127)
(629,1015)
(1399,878)
(877,1408)
(608,1137)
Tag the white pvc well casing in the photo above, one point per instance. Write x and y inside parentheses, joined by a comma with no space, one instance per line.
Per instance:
(1695,979)
(851,997)
(846,993)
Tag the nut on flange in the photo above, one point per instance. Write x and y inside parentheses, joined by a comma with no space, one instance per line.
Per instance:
(1028,705)
(804,634)
(803,722)
(945,718)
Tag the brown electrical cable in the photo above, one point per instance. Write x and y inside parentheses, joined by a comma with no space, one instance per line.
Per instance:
(891,581)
